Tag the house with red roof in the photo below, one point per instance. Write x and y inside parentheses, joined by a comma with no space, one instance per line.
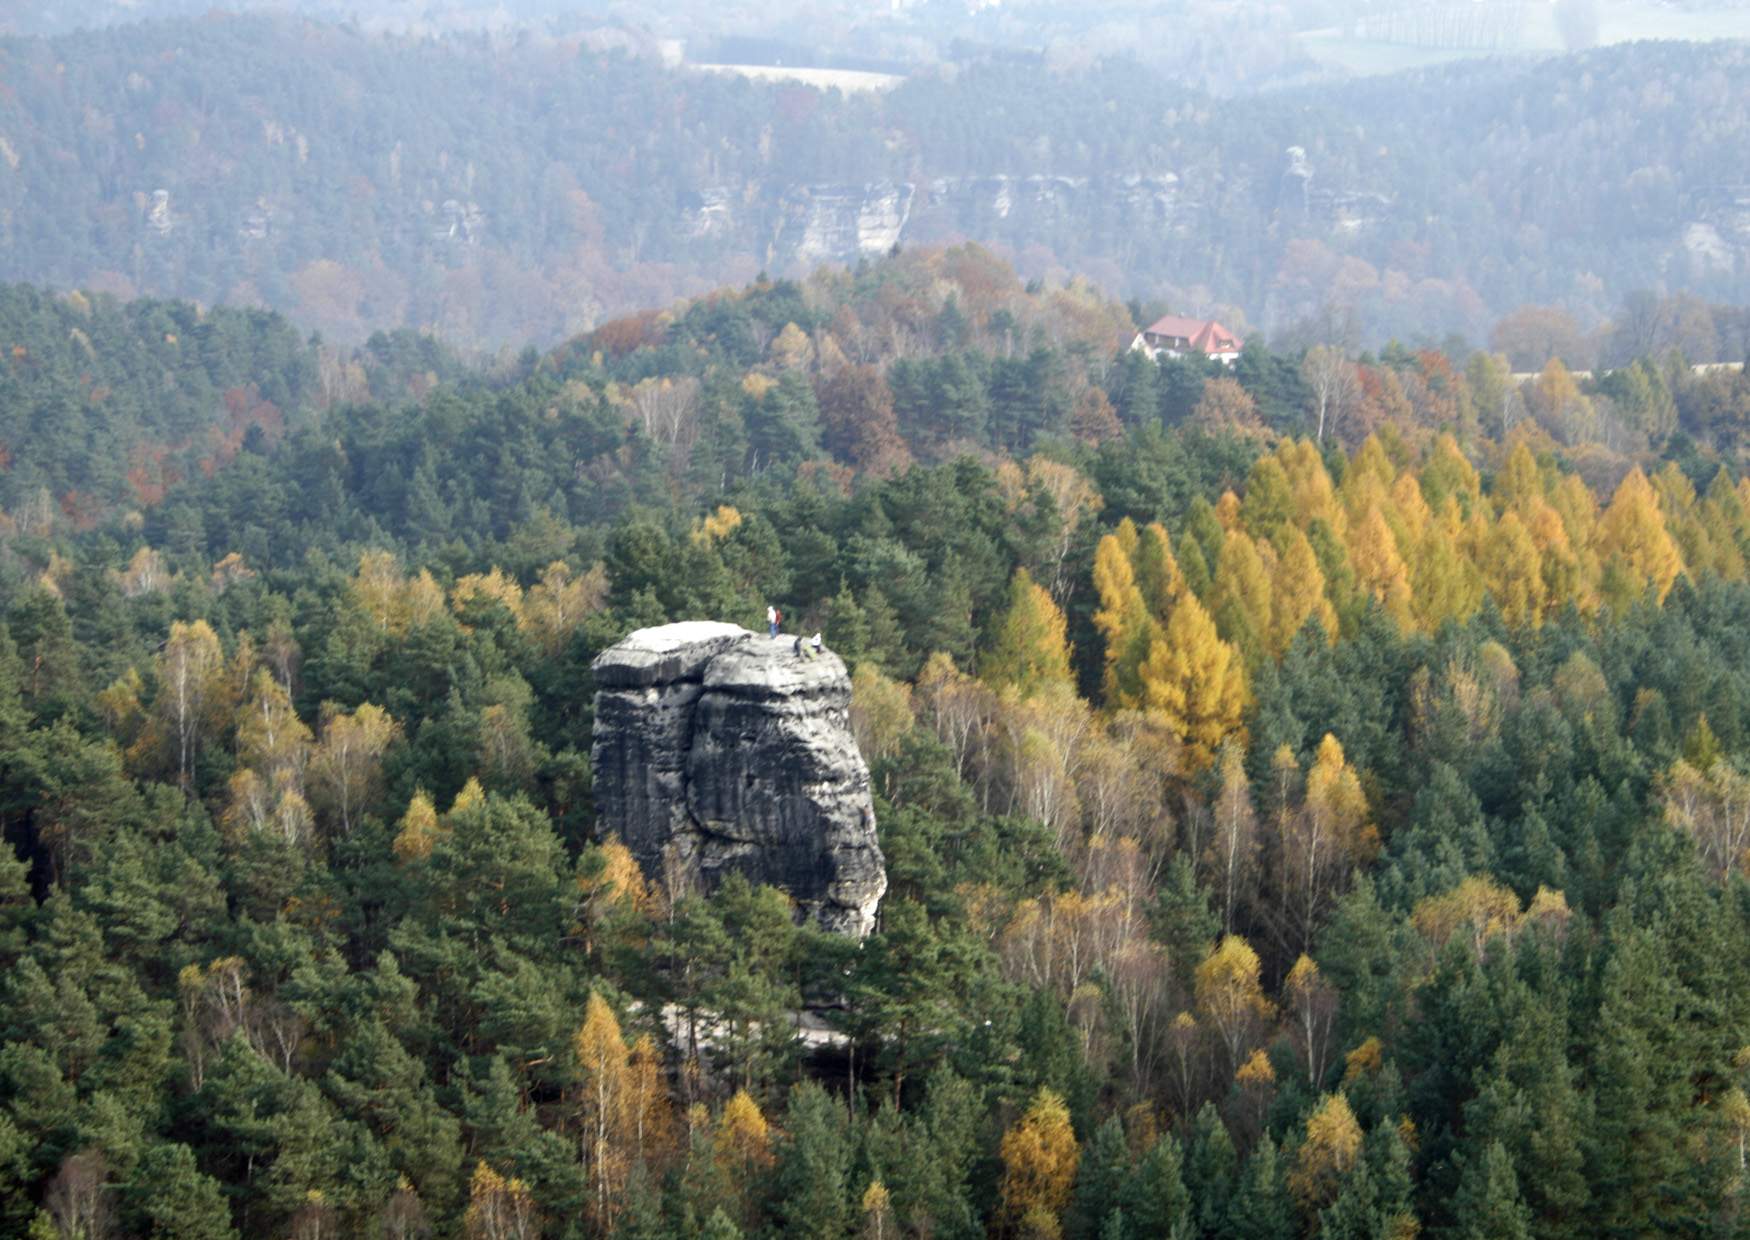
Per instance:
(1174,335)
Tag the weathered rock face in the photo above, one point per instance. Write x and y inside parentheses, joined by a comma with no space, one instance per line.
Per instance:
(718,750)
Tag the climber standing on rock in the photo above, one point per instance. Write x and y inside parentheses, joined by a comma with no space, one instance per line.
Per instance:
(771,621)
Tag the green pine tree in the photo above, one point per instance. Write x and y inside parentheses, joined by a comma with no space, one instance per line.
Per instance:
(1155,1199)
(1100,1180)
(1262,1209)
(810,1183)
(172,1200)
(1488,1205)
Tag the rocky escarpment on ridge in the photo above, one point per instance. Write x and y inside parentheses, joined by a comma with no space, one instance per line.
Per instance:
(718,750)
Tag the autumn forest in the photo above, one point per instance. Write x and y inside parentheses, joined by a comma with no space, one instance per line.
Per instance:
(1315,792)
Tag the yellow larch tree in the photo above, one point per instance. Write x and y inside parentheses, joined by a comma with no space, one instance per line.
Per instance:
(1371,458)
(717,526)
(471,795)
(1726,523)
(1365,1060)
(1379,566)
(1315,499)
(1675,491)
(1565,578)
(1518,481)
(1447,583)
(1240,602)
(1157,571)
(1686,518)
(742,1144)
(1408,513)
(791,349)
(1297,592)
(1512,570)
(1256,1072)
(610,884)
(228,570)
(753,383)
(1448,473)
(1196,681)
(1634,545)
(1549,908)
(417,830)
(1030,653)
(1040,1157)
(1578,507)
(1122,619)
(1269,506)
(1128,537)
(1227,511)
(120,707)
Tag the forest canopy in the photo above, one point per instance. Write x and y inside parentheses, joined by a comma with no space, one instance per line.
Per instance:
(1313,791)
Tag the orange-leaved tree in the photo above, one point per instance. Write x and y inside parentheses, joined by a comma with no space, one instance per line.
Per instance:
(1196,681)
(1636,550)
(1230,996)
(1122,619)
(604,1105)
(1030,653)
(1040,1157)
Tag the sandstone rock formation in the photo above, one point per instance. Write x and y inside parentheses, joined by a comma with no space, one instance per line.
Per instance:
(719,750)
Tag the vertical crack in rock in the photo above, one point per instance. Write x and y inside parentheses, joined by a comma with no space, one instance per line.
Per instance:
(718,750)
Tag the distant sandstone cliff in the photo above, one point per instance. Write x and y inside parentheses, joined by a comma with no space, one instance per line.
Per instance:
(719,750)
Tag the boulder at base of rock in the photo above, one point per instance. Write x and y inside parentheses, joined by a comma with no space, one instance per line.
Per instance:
(720,750)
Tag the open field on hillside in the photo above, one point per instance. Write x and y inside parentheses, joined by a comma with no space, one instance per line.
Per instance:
(1628,22)
(851,81)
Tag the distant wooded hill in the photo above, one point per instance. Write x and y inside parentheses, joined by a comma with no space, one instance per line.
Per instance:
(521,192)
